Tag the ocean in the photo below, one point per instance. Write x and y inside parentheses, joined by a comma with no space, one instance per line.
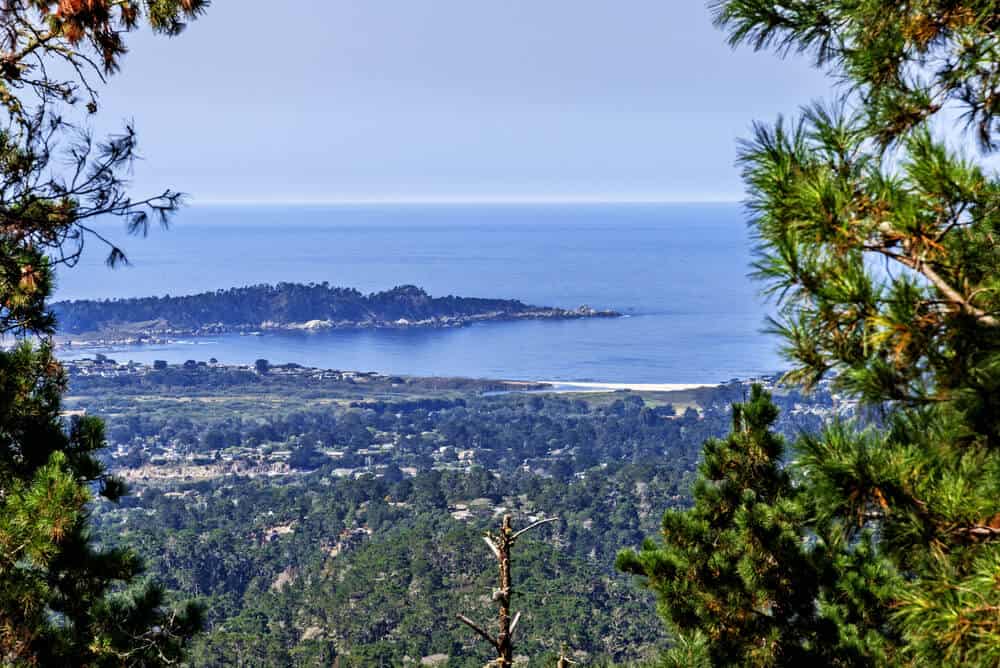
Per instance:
(677,271)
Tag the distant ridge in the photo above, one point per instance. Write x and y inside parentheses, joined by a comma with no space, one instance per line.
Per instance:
(292,306)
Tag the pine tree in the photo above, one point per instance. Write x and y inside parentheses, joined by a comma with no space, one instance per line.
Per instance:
(64,601)
(877,223)
(736,579)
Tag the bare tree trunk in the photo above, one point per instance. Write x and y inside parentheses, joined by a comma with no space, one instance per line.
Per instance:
(564,661)
(500,545)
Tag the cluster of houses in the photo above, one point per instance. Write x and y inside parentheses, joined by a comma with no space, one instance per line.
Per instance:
(103,366)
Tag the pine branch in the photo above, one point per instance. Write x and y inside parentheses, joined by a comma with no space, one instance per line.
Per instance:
(924,268)
(948,291)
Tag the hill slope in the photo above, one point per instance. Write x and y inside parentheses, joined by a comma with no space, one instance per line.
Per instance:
(293,306)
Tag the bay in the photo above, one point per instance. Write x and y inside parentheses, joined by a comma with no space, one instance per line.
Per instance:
(678,272)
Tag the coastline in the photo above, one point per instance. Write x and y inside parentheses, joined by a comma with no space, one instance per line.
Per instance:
(109,368)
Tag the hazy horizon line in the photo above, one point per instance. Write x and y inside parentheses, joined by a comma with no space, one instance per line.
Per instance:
(373,201)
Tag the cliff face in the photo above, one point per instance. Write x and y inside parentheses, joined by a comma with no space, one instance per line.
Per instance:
(292,306)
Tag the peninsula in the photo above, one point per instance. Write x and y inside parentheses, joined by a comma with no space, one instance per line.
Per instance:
(290,307)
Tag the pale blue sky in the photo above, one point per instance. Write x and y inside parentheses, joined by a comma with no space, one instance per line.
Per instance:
(323,100)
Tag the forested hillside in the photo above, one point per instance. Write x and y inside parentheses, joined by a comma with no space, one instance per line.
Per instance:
(290,304)
(320,517)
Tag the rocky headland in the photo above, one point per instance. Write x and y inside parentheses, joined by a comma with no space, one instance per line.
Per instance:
(288,307)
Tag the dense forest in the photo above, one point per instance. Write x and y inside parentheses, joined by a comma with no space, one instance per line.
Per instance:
(286,304)
(366,568)
(353,525)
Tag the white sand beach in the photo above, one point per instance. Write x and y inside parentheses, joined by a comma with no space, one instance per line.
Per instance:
(564,386)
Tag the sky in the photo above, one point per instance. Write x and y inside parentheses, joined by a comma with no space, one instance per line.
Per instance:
(441,100)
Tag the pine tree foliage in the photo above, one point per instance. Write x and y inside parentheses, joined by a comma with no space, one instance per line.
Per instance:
(63,600)
(58,600)
(737,581)
(877,219)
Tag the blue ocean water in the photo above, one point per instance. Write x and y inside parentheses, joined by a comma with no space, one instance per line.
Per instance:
(678,271)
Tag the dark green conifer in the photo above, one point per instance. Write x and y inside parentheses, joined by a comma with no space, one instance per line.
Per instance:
(737,582)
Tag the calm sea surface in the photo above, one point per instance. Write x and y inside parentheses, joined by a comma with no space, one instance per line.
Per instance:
(678,271)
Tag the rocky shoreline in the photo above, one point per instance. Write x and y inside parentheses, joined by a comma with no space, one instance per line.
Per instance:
(162,332)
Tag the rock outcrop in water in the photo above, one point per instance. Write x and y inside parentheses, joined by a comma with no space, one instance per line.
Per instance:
(290,307)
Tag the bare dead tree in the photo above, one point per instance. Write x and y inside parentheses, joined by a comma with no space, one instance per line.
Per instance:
(500,545)
(564,661)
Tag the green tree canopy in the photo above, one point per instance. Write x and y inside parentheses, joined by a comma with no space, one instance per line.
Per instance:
(729,562)
(738,583)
